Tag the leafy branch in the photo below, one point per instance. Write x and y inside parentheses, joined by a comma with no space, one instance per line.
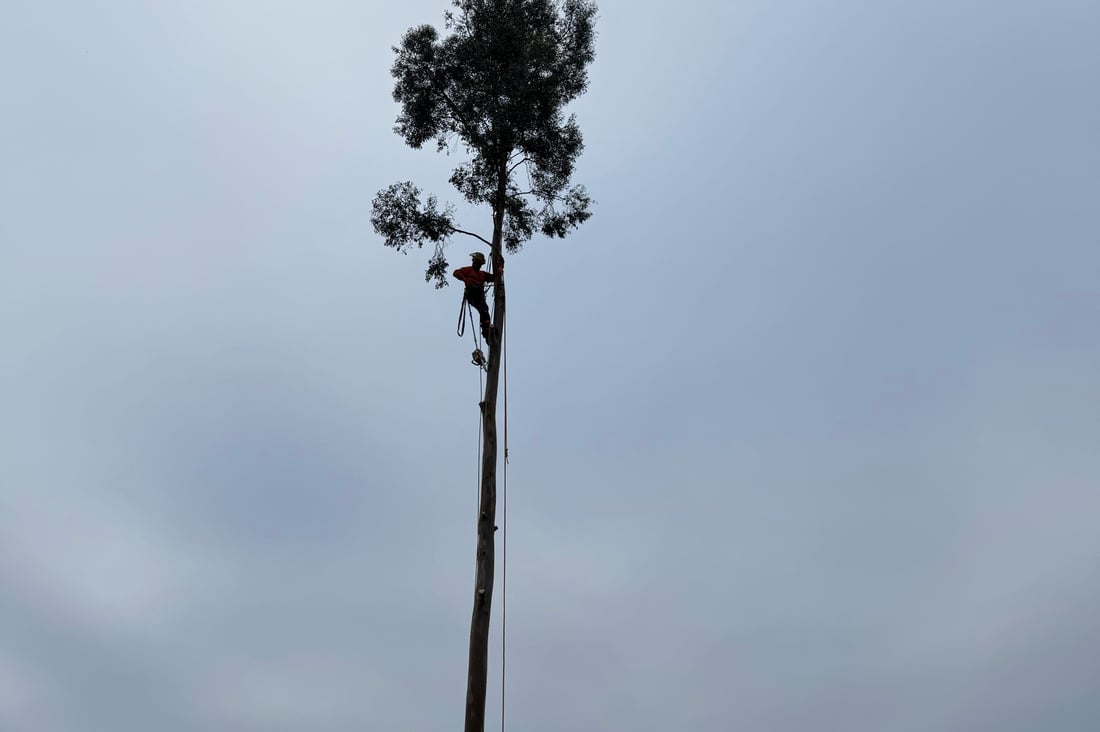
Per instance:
(405,221)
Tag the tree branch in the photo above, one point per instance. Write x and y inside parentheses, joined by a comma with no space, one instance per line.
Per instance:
(458,117)
(470,233)
(521,162)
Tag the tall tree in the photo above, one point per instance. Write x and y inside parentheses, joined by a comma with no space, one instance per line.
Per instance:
(496,84)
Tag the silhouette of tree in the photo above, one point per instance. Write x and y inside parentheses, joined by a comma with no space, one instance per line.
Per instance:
(497,84)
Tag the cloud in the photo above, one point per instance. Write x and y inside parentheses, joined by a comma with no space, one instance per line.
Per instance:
(802,423)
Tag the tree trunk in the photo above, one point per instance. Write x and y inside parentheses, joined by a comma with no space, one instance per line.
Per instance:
(487,509)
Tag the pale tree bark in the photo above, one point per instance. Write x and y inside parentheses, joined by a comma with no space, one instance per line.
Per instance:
(487,509)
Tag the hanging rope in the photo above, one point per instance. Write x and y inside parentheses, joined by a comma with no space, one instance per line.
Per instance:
(480,430)
(463,308)
(504,527)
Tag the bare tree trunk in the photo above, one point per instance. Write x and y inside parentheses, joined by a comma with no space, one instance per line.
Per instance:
(487,510)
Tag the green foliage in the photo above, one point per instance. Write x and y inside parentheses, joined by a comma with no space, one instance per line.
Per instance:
(498,83)
(402,220)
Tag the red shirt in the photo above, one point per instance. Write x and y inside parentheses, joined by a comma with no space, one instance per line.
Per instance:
(473,277)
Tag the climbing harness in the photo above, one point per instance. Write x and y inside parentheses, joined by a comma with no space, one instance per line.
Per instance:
(477,357)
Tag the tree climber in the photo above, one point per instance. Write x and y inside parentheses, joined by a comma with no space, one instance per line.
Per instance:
(475,281)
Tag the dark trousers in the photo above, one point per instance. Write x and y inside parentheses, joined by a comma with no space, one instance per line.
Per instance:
(476,297)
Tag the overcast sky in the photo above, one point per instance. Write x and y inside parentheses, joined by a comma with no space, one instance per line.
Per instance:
(804,423)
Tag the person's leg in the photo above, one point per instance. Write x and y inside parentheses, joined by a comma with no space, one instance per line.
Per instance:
(477,299)
(485,322)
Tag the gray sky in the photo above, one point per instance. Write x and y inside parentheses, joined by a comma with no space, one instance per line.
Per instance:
(803,422)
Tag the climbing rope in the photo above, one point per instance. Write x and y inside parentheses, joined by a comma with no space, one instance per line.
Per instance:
(503,521)
(504,527)
(480,431)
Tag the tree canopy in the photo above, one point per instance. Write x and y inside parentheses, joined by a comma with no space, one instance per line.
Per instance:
(497,84)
